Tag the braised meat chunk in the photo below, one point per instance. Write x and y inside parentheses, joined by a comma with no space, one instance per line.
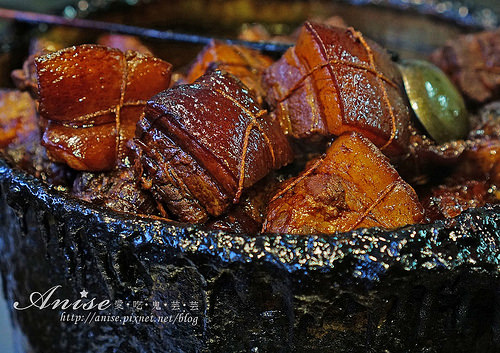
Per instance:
(17,116)
(472,62)
(244,63)
(202,144)
(118,190)
(92,97)
(248,215)
(20,139)
(174,177)
(481,160)
(353,185)
(470,168)
(448,201)
(106,122)
(334,80)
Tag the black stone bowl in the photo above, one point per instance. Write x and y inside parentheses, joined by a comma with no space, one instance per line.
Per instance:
(171,288)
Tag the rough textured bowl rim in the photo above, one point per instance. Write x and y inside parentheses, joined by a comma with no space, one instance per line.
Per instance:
(471,238)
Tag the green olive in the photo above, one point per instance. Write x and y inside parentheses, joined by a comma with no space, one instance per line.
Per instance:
(435,100)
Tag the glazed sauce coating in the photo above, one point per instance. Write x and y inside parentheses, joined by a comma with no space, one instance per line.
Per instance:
(202,150)
(92,97)
(334,80)
(246,64)
(218,125)
(352,186)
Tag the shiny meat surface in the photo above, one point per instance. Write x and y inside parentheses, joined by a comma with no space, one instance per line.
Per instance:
(246,64)
(92,97)
(352,186)
(334,80)
(209,151)
(205,143)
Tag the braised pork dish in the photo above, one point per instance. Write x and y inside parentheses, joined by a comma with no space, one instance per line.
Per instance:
(334,135)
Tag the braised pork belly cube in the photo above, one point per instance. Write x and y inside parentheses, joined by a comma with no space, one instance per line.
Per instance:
(244,63)
(472,61)
(352,186)
(202,144)
(334,81)
(91,98)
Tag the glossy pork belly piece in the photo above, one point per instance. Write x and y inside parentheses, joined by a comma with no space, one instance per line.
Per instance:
(472,61)
(202,144)
(92,97)
(352,186)
(244,63)
(334,80)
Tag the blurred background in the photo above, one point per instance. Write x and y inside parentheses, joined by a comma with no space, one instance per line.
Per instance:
(38,5)
(55,6)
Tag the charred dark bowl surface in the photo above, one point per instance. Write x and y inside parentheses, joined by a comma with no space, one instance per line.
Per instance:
(423,288)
